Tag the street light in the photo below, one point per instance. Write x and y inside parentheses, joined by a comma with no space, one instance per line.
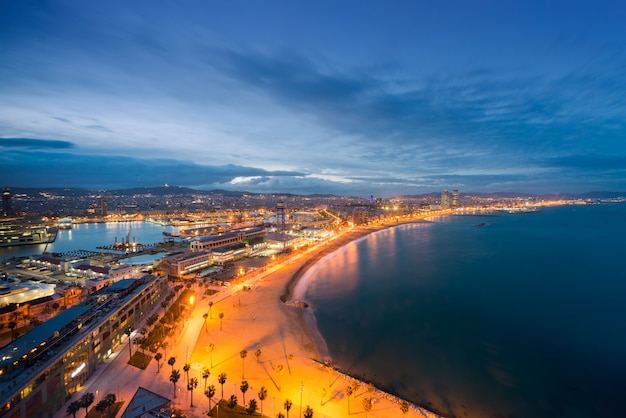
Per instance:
(301,391)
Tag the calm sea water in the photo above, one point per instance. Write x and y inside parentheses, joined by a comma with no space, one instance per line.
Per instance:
(91,235)
(522,317)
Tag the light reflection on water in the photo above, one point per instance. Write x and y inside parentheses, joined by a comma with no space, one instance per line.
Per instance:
(516,318)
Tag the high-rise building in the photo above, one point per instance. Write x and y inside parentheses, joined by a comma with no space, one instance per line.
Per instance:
(102,206)
(7,205)
(455,198)
(445,199)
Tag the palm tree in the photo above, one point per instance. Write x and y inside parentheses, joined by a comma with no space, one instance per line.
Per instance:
(257,353)
(367,404)
(280,415)
(174,377)
(158,357)
(12,325)
(210,392)
(186,368)
(171,362)
(288,404)
(222,379)
(221,315)
(251,409)
(128,331)
(205,316)
(191,385)
(211,348)
(355,386)
(232,402)
(308,412)
(404,407)
(101,406)
(205,375)
(86,400)
(210,306)
(110,398)
(244,388)
(243,354)
(262,396)
(349,393)
(73,408)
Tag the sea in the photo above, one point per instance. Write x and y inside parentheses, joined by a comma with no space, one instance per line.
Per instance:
(503,315)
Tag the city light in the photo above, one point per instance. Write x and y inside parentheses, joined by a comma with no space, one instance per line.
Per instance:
(78,370)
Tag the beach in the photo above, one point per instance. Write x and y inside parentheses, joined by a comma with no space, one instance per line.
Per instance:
(285,353)
(288,340)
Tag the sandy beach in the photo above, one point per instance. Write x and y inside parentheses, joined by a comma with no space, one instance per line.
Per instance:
(290,356)
(287,337)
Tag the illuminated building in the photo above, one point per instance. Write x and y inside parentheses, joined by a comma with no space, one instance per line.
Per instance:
(445,199)
(42,369)
(7,205)
(455,198)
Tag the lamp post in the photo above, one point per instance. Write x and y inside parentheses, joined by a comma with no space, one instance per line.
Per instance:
(301,392)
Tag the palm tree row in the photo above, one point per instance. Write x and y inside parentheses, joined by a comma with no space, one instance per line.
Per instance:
(86,400)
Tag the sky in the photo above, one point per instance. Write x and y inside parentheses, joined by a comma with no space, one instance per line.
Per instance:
(345,97)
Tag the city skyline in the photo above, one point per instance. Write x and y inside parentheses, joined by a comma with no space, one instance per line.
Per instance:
(349,99)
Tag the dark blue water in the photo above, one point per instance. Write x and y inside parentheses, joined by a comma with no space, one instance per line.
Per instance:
(88,236)
(522,317)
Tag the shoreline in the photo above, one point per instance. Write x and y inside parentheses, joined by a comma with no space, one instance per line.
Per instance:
(296,287)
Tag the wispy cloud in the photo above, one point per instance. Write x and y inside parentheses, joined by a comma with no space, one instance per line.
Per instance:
(31,143)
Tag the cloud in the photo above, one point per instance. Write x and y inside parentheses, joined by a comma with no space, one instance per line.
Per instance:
(590,162)
(35,143)
(37,169)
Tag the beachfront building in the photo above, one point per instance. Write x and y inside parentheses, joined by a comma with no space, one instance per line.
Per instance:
(455,198)
(445,199)
(245,235)
(279,241)
(43,368)
(360,216)
(179,264)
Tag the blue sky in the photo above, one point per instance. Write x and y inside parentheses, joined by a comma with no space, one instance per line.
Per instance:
(344,97)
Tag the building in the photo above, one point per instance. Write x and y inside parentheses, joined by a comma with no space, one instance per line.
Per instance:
(209,242)
(14,291)
(7,205)
(445,199)
(279,241)
(179,264)
(148,404)
(102,206)
(42,369)
(455,198)
(360,216)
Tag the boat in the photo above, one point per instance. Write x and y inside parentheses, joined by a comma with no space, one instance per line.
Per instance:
(65,223)
(20,232)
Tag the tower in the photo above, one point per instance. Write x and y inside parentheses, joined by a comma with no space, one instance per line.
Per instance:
(445,199)
(102,206)
(280,214)
(455,198)
(7,205)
